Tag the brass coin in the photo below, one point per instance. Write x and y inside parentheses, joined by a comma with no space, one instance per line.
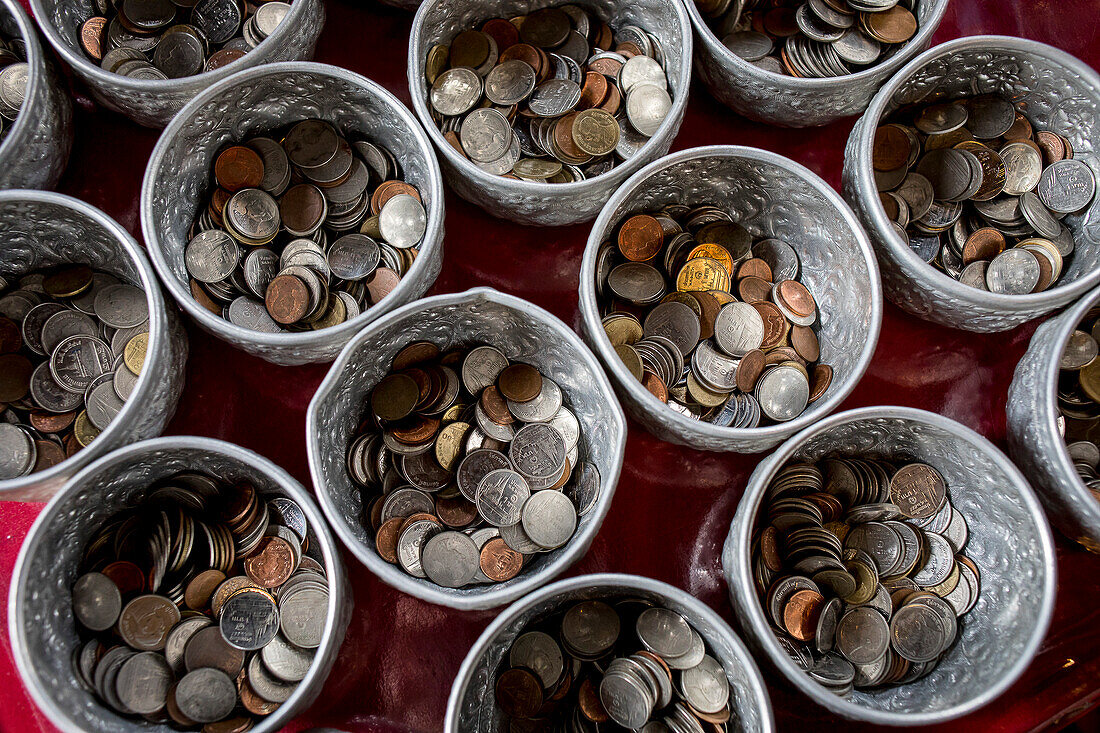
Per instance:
(595,132)
(702,274)
(520,382)
(68,281)
(715,252)
(394,397)
(133,354)
(449,444)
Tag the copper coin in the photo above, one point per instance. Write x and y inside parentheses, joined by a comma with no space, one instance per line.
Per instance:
(238,724)
(238,167)
(15,377)
(769,549)
(127,576)
(822,378)
(984,244)
(749,370)
(173,709)
(566,472)
(11,337)
(48,422)
(417,431)
(805,343)
(891,148)
(609,67)
(201,588)
(588,700)
(523,52)
(754,289)
(519,693)
(655,386)
(68,281)
(918,490)
(563,136)
(1051,144)
(272,564)
(199,293)
(381,283)
(755,267)
(208,648)
(388,190)
(613,100)
(146,620)
(796,298)
(500,562)
(219,199)
(302,208)
(1021,129)
(456,512)
(252,702)
(92,35)
(775,325)
(226,589)
(492,401)
(594,90)
(287,299)
(641,238)
(520,382)
(896,25)
(385,541)
(416,517)
(504,33)
(781,23)
(709,306)
(801,612)
(415,353)
(222,58)
(47,455)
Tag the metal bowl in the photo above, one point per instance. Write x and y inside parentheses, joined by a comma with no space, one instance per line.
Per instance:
(1009,540)
(772,196)
(1035,442)
(41,229)
(41,624)
(1059,92)
(548,204)
(471,707)
(792,102)
(482,315)
(250,103)
(37,147)
(153,102)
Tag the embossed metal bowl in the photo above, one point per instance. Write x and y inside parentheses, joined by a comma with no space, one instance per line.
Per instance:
(1034,440)
(1059,93)
(548,204)
(36,150)
(524,332)
(771,196)
(472,709)
(153,102)
(40,229)
(1009,540)
(40,617)
(792,102)
(177,180)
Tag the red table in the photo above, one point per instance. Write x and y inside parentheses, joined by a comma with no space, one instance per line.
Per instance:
(673,506)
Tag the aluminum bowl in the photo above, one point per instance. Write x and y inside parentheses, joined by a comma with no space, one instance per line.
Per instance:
(153,102)
(250,103)
(792,102)
(37,147)
(41,229)
(1059,92)
(1009,539)
(482,315)
(548,204)
(40,617)
(772,196)
(471,707)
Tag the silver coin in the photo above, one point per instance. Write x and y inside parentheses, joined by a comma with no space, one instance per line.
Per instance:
(957,531)
(267,685)
(675,321)
(917,633)
(541,409)
(780,257)
(549,519)
(916,191)
(485,135)
(411,543)
(286,661)
(249,620)
(353,256)
(64,324)
(302,616)
(939,119)
(450,559)
(424,472)
(881,541)
(637,282)
(97,602)
(510,83)
(1067,186)
(104,404)
(1023,168)
(647,106)
(516,538)
(625,700)
(693,657)
(738,329)
(1038,216)
(630,140)
(254,214)
(475,466)
(143,681)
(705,686)
(949,171)
(1014,272)
(211,256)
(584,488)
(862,635)
(664,632)
(506,162)
(501,495)
(856,47)
(403,221)
(555,97)
(455,91)
(122,306)
(714,369)
(85,302)
(990,116)
(250,313)
(78,360)
(49,395)
(538,451)
(749,45)
(481,367)
(206,695)
(814,28)
(492,430)
(640,70)
(590,628)
(939,560)
(539,653)
(260,268)
(177,640)
(35,322)
(566,423)
(290,515)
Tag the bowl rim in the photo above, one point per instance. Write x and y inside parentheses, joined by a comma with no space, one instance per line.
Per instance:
(38,75)
(866,191)
(739,577)
(159,332)
(338,592)
(620,581)
(234,334)
(484,596)
(695,430)
(484,180)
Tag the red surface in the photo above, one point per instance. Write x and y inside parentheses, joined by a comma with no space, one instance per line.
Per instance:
(673,506)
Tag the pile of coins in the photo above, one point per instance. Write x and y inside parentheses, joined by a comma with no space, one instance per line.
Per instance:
(667,288)
(171,39)
(14,74)
(815,38)
(204,605)
(72,347)
(470,464)
(304,231)
(978,192)
(629,663)
(555,96)
(1079,399)
(859,566)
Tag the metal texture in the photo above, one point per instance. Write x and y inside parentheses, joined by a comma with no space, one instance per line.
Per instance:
(153,102)
(1009,540)
(771,196)
(524,332)
(792,102)
(410,5)
(471,710)
(36,150)
(40,229)
(40,616)
(549,204)
(254,102)
(1059,93)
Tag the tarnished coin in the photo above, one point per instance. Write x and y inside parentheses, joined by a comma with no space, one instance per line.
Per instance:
(450,559)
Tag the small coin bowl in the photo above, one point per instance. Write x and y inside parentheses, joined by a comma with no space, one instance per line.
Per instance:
(41,623)
(41,229)
(548,204)
(1057,92)
(472,708)
(789,101)
(248,104)
(771,196)
(36,150)
(524,332)
(1035,442)
(1009,540)
(153,102)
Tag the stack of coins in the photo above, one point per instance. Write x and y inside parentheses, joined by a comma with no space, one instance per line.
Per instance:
(72,347)
(167,39)
(628,663)
(470,464)
(931,160)
(814,39)
(714,325)
(1079,399)
(555,96)
(304,230)
(859,566)
(204,605)
(14,72)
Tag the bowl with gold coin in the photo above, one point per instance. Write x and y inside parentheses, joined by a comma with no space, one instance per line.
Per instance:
(893,565)
(732,296)
(974,172)
(91,357)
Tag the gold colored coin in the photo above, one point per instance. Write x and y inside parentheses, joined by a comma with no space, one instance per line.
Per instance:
(715,252)
(83,429)
(448,445)
(1090,380)
(702,395)
(335,314)
(703,273)
(631,359)
(622,331)
(133,355)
